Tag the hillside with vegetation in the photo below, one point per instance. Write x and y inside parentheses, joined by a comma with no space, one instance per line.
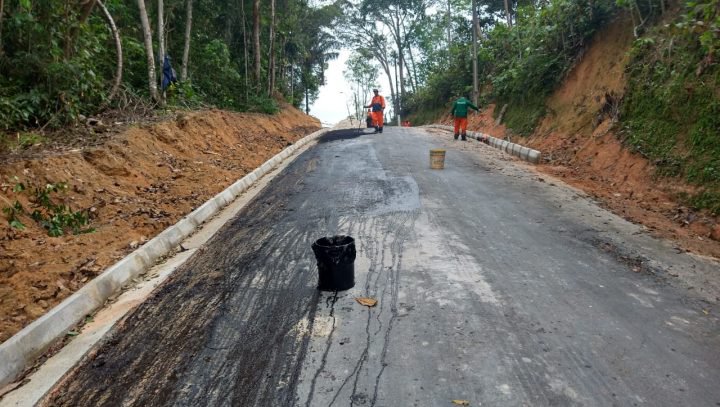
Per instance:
(640,77)
(63,61)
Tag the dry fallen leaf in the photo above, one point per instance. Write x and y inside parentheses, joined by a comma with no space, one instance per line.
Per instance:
(368,302)
(706,312)
(461,402)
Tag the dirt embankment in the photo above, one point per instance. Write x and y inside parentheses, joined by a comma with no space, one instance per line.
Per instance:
(133,186)
(580,143)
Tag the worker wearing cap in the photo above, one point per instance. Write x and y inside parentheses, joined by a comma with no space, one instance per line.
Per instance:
(377,105)
(460,112)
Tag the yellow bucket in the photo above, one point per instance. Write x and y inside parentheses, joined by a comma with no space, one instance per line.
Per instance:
(437,159)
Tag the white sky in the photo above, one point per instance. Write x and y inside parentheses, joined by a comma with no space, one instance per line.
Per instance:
(335,98)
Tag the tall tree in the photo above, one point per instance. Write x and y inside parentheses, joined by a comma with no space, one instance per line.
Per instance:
(271,51)
(475,92)
(147,36)
(256,41)
(449,25)
(398,17)
(2,9)
(508,16)
(188,36)
(363,75)
(161,43)
(244,46)
(118,50)
(358,29)
(85,8)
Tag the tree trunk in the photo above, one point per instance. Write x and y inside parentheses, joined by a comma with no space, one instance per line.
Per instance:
(161,43)
(307,101)
(412,75)
(118,50)
(2,8)
(507,14)
(256,40)
(188,35)
(161,31)
(282,62)
(396,100)
(386,67)
(147,35)
(245,46)
(449,26)
(401,58)
(271,52)
(475,52)
(86,8)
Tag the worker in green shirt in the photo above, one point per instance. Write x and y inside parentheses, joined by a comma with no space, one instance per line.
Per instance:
(460,112)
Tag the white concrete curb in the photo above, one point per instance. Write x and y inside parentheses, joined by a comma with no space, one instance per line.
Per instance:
(517,150)
(21,350)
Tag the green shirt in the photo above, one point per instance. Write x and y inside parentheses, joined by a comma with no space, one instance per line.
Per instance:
(460,107)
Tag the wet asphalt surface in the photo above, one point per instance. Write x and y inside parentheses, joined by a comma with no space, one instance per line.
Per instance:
(488,291)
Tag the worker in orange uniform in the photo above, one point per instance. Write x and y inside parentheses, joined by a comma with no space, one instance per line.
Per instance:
(460,112)
(377,105)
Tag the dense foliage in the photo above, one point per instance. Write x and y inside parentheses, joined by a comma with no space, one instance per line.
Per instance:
(671,111)
(58,57)
(518,65)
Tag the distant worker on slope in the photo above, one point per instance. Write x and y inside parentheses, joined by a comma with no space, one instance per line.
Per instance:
(460,112)
(377,105)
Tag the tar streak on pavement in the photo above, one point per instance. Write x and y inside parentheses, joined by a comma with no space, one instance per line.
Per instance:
(486,292)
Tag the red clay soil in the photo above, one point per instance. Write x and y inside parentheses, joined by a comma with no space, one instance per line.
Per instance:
(579,145)
(135,185)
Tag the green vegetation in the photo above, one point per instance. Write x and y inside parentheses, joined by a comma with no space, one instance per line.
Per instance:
(526,63)
(519,65)
(20,141)
(56,218)
(59,59)
(671,111)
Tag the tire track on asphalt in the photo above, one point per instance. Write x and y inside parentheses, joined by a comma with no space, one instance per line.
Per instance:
(217,332)
(397,249)
(383,234)
(330,303)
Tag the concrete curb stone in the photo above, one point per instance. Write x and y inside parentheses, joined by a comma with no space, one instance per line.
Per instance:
(522,152)
(21,350)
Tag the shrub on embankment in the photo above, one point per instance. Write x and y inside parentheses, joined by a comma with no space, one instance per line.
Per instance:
(60,60)
(519,65)
(671,110)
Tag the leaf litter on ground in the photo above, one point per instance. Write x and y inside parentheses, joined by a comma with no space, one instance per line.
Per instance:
(366,301)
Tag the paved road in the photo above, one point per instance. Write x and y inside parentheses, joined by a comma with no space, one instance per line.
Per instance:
(493,287)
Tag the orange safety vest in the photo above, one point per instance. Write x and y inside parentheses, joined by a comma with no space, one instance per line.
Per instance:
(378,103)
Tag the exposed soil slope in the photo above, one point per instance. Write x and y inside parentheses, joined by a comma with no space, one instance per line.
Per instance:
(135,186)
(580,143)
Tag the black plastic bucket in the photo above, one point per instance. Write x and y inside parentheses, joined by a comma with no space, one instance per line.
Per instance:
(336,262)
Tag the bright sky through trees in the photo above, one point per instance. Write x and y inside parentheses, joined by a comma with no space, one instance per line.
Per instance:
(331,105)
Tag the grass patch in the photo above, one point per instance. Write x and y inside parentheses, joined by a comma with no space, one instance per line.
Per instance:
(20,141)
(522,116)
(671,112)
